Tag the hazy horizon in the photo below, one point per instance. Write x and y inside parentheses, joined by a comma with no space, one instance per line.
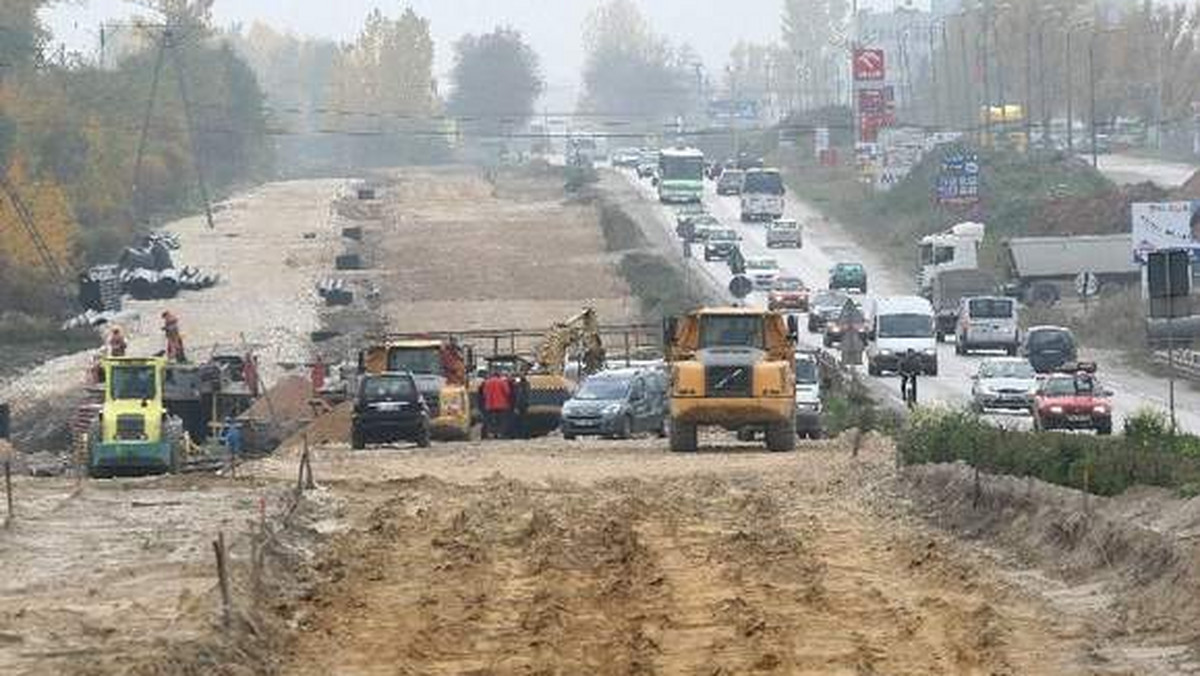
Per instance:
(555,29)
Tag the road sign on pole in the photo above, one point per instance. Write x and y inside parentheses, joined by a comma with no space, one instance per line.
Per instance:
(741,287)
(1087,284)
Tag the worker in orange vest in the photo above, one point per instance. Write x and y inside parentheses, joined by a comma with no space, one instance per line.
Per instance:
(170,328)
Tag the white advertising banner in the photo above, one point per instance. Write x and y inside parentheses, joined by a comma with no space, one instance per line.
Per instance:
(1165,225)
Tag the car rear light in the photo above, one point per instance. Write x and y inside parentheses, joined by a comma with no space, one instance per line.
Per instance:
(1056,410)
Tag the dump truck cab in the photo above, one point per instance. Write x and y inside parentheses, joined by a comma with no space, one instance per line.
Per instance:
(440,370)
(732,368)
(134,434)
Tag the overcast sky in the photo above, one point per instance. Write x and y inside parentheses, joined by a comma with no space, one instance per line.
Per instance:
(554,27)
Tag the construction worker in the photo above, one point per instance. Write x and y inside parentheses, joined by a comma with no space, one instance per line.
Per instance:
(497,405)
(170,328)
(318,376)
(231,436)
(117,345)
(520,407)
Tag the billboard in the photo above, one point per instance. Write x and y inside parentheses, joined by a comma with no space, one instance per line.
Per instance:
(868,65)
(1159,226)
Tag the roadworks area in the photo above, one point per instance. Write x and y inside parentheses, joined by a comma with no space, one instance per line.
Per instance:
(589,557)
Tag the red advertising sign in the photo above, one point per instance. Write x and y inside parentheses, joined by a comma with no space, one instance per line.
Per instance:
(869,126)
(868,65)
(876,101)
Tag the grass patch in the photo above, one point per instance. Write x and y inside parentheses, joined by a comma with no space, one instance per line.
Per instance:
(661,286)
(1145,455)
(1017,192)
(621,232)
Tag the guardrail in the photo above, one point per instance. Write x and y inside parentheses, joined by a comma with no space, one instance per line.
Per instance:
(1187,362)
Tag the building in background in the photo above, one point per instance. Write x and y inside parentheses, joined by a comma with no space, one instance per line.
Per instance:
(906,36)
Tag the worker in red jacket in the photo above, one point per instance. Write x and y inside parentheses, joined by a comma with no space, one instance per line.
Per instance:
(497,403)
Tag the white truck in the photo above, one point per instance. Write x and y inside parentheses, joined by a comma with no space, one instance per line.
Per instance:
(1043,269)
(1040,269)
(953,249)
(762,195)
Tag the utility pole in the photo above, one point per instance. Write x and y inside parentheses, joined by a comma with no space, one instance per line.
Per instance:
(987,87)
(1070,98)
(1028,112)
(1092,96)
(168,41)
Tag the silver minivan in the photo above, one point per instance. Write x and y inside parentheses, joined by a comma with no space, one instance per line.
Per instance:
(785,233)
(987,323)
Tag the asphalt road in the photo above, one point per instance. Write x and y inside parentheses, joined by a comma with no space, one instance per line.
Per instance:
(826,243)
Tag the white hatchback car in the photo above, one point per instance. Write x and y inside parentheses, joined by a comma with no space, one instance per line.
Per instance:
(1007,383)
(762,271)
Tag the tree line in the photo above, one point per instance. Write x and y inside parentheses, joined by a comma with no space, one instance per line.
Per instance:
(71,128)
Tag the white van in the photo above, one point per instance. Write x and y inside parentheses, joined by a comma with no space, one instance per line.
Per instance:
(900,324)
(785,233)
(987,323)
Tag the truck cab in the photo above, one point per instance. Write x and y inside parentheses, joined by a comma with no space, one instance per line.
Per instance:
(953,249)
(732,368)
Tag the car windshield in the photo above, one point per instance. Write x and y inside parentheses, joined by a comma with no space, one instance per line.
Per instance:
(1006,369)
(806,372)
(133,383)
(1056,340)
(682,168)
(421,361)
(731,177)
(705,222)
(731,331)
(763,182)
(849,270)
(723,235)
(388,388)
(991,308)
(830,299)
(761,264)
(1069,386)
(788,284)
(905,325)
(603,389)
(784,225)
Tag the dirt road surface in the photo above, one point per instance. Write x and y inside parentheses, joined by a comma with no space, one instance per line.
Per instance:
(598,558)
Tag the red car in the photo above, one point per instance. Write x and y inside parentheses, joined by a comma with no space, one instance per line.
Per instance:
(788,293)
(1073,401)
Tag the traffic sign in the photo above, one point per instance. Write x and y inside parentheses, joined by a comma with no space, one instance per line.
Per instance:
(868,65)
(1087,284)
(741,286)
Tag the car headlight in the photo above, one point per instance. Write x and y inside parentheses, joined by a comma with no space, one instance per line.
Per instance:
(611,410)
(1056,410)
(1100,410)
(931,351)
(986,391)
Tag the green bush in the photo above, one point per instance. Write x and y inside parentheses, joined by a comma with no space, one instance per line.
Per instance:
(1146,455)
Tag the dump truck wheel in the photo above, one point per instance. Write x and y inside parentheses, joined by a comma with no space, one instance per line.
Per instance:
(781,437)
(684,438)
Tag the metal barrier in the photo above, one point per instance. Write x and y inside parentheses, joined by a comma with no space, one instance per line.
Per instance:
(1187,362)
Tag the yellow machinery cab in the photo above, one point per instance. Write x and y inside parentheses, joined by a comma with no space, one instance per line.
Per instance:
(732,368)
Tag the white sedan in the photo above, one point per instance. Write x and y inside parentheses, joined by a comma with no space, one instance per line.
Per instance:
(1006,383)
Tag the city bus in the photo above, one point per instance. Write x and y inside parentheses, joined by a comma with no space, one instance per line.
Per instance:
(680,175)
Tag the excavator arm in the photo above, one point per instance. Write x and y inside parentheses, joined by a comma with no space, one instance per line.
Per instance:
(583,330)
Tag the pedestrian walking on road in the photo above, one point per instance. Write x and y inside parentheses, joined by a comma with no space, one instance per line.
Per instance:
(497,404)
(910,368)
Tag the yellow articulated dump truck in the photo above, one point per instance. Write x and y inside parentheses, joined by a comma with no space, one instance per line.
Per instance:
(440,369)
(732,368)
